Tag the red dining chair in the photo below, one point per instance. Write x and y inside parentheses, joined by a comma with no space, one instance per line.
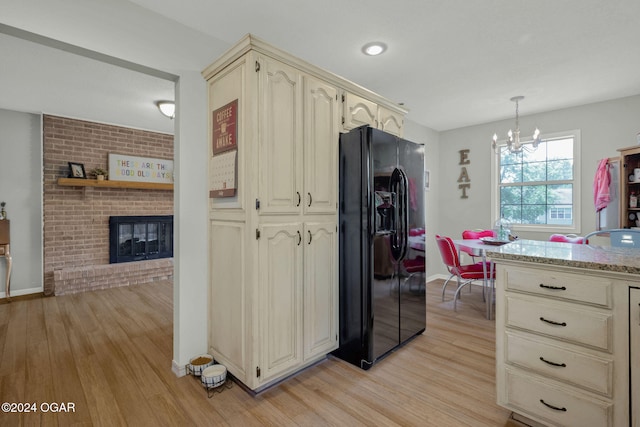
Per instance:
(476,234)
(465,274)
(568,238)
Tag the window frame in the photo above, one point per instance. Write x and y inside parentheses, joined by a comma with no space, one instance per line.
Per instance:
(575,227)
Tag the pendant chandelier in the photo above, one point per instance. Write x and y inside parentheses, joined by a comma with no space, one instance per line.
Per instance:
(514,145)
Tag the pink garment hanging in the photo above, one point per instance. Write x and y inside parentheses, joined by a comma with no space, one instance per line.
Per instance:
(601,196)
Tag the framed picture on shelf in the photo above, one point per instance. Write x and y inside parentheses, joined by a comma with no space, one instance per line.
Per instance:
(76,170)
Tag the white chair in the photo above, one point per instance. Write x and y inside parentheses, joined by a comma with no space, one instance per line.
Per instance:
(619,237)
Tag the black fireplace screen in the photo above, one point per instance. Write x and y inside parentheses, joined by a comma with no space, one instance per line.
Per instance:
(135,238)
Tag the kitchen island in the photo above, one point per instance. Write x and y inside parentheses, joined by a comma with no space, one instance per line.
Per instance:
(567,327)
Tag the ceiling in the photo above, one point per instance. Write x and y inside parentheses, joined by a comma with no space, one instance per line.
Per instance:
(453,63)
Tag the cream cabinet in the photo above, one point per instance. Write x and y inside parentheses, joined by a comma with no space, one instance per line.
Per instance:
(280,296)
(273,246)
(634,353)
(390,121)
(280,137)
(321,113)
(359,111)
(298,149)
(298,316)
(320,295)
(562,344)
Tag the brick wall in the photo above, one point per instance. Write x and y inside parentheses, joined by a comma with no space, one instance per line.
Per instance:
(76,219)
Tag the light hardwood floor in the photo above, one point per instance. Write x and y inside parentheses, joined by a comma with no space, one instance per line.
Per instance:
(109,353)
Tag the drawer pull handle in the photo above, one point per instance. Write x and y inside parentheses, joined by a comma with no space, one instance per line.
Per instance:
(562,365)
(555,408)
(553,323)
(555,288)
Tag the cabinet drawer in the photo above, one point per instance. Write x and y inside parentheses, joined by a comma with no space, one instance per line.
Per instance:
(572,287)
(557,405)
(560,320)
(584,370)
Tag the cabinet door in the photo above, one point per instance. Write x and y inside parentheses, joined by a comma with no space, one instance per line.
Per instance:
(390,121)
(320,146)
(280,299)
(320,289)
(358,111)
(280,135)
(634,354)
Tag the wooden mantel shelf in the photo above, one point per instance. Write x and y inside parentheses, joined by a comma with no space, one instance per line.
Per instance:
(78,182)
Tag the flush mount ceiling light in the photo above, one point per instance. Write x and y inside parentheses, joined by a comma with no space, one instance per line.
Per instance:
(374,48)
(514,145)
(168,108)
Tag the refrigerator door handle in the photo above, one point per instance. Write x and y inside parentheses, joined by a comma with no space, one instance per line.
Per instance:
(399,188)
(393,237)
(403,216)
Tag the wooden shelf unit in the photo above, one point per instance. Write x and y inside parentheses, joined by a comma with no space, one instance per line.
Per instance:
(630,160)
(79,182)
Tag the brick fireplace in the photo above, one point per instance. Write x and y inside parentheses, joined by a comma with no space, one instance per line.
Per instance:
(76,219)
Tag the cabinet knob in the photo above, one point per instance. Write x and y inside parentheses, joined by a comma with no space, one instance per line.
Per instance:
(309,194)
(299,198)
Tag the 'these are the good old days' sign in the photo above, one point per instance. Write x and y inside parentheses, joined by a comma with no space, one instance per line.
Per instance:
(123,167)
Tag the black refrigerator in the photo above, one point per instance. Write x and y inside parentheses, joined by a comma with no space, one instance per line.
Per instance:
(381,216)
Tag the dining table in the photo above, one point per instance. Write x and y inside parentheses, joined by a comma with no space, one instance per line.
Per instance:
(478,247)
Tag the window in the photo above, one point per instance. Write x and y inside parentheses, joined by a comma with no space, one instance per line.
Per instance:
(539,190)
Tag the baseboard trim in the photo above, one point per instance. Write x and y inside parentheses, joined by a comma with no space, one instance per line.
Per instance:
(20,292)
(437,277)
(178,370)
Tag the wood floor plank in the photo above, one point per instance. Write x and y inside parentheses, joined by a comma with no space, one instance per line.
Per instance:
(103,406)
(12,358)
(117,364)
(38,381)
(110,353)
(66,383)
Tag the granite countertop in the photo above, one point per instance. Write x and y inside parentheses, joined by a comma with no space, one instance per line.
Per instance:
(606,258)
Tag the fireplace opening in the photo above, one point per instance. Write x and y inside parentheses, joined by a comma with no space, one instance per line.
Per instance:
(136,238)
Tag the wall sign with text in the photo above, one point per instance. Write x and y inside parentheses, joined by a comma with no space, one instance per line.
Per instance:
(224,164)
(123,167)
(464,183)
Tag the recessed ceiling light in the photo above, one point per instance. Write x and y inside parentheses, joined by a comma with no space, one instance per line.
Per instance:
(374,48)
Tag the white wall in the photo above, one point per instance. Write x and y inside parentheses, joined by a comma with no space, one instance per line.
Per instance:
(190,204)
(430,138)
(604,126)
(21,189)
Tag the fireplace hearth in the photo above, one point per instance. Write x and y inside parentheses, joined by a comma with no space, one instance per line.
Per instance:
(136,238)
